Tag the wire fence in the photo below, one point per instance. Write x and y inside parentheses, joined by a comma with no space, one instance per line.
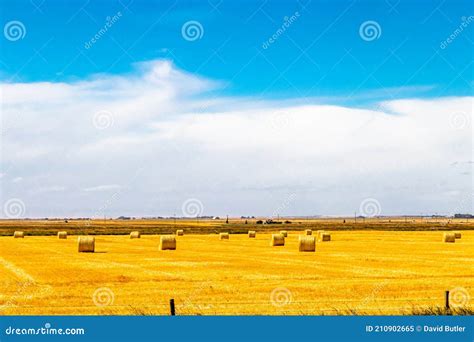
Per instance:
(381,306)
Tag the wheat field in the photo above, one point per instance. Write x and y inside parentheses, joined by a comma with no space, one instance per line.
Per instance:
(357,272)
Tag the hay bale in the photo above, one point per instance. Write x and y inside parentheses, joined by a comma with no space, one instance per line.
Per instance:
(457,235)
(308,232)
(223,236)
(86,244)
(449,237)
(325,237)
(18,235)
(135,235)
(167,242)
(62,235)
(252,233)
(277,240)
(307,243)
(180,232)
(284,233)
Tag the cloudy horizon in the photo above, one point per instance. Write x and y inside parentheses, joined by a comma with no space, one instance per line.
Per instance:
(284,109)
(143,143)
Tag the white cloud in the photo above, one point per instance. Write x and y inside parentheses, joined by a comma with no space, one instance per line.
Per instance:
(237,155)
(108,187)
(52,188)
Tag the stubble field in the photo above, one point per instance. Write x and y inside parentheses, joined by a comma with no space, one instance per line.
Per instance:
(358,272)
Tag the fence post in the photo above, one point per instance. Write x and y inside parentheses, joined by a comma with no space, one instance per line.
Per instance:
(172,310)
(448,310)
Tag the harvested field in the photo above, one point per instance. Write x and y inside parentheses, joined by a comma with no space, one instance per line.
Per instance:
(41,275)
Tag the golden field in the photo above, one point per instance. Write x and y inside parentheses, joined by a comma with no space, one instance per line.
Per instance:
(358,272)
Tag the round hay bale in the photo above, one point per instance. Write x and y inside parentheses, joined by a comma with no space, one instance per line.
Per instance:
(252,233)
(324,237)
(223,236)
(449,237)
(18,235)
(86,244)
(284,233)
(62,235)
(308,232)
(135,235)
(457,235)
(167,242)
(307,243)
(277,240)
(180,232)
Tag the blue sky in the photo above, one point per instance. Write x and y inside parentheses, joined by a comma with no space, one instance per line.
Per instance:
(147,108)
(321,54)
